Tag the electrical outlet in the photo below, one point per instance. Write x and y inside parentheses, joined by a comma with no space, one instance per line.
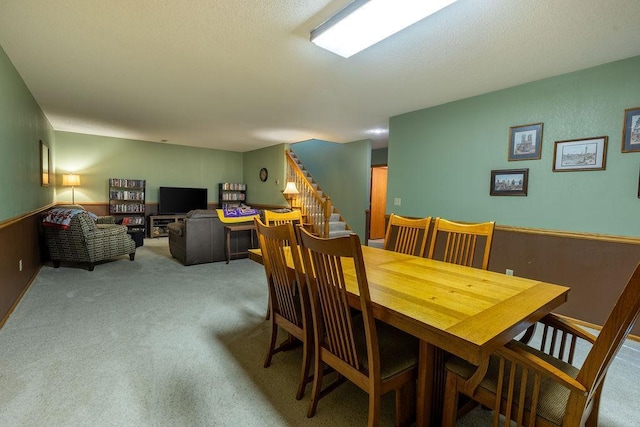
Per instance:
(509,272)
(397,201)
(20,265)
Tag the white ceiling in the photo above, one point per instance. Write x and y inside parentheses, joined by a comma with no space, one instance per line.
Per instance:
(241,74)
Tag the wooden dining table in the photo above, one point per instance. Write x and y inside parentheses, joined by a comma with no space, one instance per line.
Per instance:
(451,309)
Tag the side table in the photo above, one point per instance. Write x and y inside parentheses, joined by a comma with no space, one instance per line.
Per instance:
(228,229)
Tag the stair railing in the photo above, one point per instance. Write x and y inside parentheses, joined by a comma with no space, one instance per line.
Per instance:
(314,205)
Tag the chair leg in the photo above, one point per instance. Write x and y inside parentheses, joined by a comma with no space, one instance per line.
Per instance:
(56,264)
(266,317)
(405,403)
(132,256)
(306,365)
(450,408)
(272,343)
(91,266)
(374,408)
(318,373)
(592,420)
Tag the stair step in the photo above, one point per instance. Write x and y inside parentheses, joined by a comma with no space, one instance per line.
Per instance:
(339,233)
(335,217)
(337,225)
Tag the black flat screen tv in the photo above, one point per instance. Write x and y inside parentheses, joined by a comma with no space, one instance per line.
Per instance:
(180,200)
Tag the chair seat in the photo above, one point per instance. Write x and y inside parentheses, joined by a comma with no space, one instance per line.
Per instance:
(398,350)
(553,396)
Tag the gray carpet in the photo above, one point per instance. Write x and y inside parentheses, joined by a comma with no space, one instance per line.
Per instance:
(154,343)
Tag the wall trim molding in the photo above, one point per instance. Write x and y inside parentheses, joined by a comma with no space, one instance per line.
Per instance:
(19,218)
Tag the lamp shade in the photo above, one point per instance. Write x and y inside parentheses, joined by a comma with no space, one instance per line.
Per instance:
(71,180)
(290,188)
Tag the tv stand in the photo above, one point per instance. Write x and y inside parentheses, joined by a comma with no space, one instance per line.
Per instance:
(158,224)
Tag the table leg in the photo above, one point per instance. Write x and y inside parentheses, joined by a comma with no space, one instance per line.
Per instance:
(227,233)
(430,391)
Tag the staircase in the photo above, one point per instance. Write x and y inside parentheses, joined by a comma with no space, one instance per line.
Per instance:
(315,205)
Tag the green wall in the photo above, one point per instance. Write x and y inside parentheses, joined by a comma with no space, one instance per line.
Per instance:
(440,158)
(98,158)
(268,192)
(379,157)
(22,127)
(344,172)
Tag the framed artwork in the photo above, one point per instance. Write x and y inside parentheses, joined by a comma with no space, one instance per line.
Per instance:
(509,182)
(580,154)
(525,142)
(631,130)
(45,161)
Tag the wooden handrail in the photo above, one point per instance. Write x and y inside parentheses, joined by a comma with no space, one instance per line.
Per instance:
(314,203)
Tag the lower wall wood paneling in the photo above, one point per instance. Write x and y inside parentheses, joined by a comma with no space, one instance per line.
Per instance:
(595,267)
(18,241)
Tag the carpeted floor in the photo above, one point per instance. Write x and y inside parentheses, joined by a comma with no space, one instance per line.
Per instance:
(154,343)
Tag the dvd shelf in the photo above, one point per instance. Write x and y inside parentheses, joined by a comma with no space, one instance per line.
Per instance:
(127,204)
(231,194)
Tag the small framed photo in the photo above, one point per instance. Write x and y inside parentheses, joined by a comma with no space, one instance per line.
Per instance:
(509,182)
(525,142)
(580,154)
(631,130)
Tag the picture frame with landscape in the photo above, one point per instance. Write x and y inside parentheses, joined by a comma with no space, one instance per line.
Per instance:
(525,142)
(631,130)
(509,182)
(586,154)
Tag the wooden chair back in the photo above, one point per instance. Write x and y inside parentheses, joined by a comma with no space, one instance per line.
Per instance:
(341,340)
(279,218)
(405,235)
(331,314)
(461,242)
(615,331)
(288,296)
(283,282)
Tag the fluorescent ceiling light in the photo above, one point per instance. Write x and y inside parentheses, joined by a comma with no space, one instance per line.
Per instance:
(363,23)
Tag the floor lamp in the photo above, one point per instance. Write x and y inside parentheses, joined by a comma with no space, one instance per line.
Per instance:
(73,181)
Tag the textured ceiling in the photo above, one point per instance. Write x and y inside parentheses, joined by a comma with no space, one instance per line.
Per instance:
(241,74)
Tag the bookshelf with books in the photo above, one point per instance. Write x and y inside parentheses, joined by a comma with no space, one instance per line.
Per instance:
(127,205)
(231,194)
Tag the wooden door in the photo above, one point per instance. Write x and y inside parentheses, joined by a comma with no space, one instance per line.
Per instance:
(378,201)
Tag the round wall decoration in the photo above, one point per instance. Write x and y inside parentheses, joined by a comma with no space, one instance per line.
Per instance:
(264,174)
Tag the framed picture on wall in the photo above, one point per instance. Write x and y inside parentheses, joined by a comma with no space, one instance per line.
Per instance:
(45,175)
(580,154)
(525,142)
(631,130)
(509,182)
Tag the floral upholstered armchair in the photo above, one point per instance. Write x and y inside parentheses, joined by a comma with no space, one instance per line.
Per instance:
(73,235)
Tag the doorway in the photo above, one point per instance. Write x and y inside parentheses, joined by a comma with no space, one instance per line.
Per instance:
(378,202)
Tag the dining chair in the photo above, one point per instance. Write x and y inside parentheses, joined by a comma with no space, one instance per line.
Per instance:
(461,242)
(279,218)
(407,235)
(533,387)
(373,355)
(288,296)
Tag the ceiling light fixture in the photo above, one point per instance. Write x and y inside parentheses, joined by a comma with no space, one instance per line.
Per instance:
(363,23)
